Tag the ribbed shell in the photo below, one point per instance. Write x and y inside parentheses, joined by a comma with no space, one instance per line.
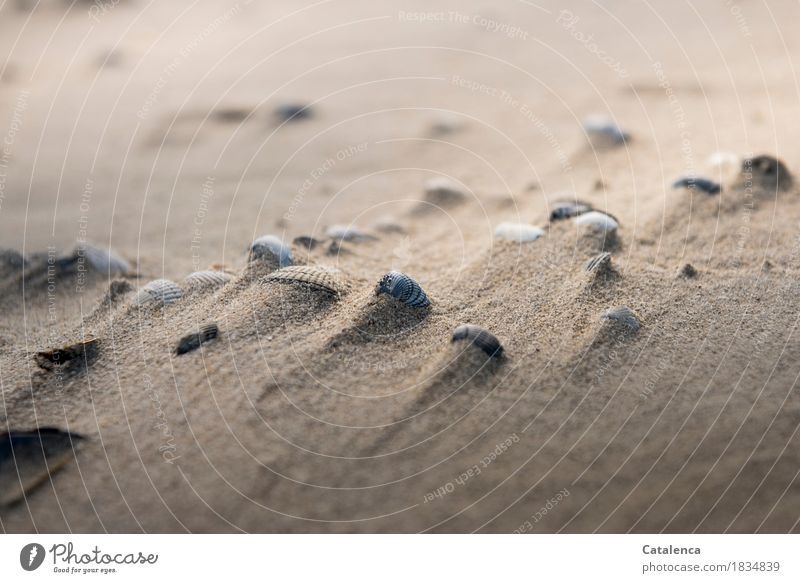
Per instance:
(161,291)
(479,337)
(624,316)
(193,341)
(598,263)
(693,183)
(518,232)
(402,287)
(271,247)
(597,221)
(315,277)
(207,279)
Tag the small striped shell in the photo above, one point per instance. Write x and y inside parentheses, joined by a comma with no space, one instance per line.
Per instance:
(103,260)
(597,221)
(517,232)
(480,338)
(159,291)
(272,248)
(206,279)
(403,288)
(694,183)
(566,209)
(314,277)
(348,233)
(598,263)
(623,316)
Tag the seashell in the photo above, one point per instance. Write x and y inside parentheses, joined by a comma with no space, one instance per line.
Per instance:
(403,288)
(293,112)
(307,242)
(602,129)
(159,291)
(272,248)
(348,233)
(598,263)
(446,124)
(315,277)
(29,458)
(688,271)
(567,209)
(81,352)
(597,221)
(442,191)
(206,279)
(11,259)
(231,114)
(479,337)
(767,171)
(99,259)
(693,183)
(387,225)
(193,341)
(623,316)
(517,232)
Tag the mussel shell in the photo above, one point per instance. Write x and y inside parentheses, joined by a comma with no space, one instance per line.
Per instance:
(567,209)
(314,277)
(160,291)
(694,183)
(518,232)
(29,458)
(272,248)
(193,341)
(403,288)
(480,338)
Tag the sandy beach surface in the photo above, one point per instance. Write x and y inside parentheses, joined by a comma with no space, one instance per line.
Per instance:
(159,130)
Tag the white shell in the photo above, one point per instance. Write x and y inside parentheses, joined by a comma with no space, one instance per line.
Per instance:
(161,291)
(518,232)
(597,221)
(270,246)
(207,279)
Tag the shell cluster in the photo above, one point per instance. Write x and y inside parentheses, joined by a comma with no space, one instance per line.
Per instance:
(517,232)
(271,248)
(695,183)
(479,338)
(193,341)
(403,288)
(159,292)
(314,277)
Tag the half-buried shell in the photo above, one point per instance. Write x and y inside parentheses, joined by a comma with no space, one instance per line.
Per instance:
(159,291)
(403,288)
(206,279)
(565,209)
(695,183)
(313,277)
(624,317)
(480,338)
(271,248)
(517,232)
(597,221)
(193,341)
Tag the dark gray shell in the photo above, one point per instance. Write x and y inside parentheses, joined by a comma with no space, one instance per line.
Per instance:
(271,248)
(694,183)
(206,279)
(603,130)
(566,209)
(623,316)
(767,171)
(159,291)
(349,233)
(315,277)
(29,458)
(306,242)
(479,337)
(402,287)
(97,258)
(442,191)
(598,263)
(193,341)
(79,353)
(293,112)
